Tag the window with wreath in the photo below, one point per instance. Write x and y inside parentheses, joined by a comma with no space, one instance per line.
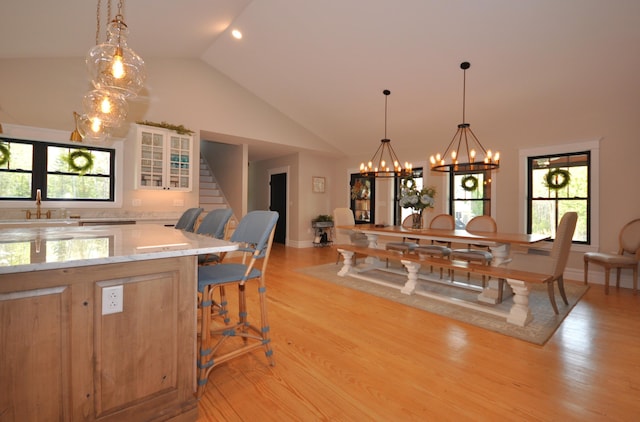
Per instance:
(558,183)
(400,213)
(62,172)
(469,195)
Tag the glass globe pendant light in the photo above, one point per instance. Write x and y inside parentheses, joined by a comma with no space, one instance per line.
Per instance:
(92,128)
(109,107)
(113,65)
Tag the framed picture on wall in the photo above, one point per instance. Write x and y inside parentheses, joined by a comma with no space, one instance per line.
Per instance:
(317,184)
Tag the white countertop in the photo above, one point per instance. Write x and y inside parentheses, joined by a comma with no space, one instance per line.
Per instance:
(45,248)
(65,222)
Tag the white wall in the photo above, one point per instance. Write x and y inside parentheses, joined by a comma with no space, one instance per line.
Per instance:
(45,92)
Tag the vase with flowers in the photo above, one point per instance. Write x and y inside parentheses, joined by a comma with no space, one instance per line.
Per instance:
(416,199)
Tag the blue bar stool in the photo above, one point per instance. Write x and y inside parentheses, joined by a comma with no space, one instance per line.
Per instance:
(222,343)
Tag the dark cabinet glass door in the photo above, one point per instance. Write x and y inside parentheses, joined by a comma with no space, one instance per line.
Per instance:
(363,199)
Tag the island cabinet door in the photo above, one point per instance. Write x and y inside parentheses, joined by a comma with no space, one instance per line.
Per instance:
(64,360)
(40,361)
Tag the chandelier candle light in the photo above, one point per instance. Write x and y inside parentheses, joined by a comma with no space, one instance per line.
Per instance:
(462,149)
(384,162)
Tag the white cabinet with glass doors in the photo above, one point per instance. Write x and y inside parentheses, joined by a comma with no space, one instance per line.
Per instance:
(164,159)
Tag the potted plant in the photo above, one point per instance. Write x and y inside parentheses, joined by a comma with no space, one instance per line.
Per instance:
(322,220)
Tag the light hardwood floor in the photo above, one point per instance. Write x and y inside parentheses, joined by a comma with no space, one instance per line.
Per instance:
(343,355)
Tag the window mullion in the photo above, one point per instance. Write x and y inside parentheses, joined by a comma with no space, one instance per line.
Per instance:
(39,170)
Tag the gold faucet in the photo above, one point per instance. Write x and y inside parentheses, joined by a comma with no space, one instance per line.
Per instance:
(38,208)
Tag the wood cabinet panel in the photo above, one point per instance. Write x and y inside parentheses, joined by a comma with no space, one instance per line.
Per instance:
(34,341)
(136,349)
(62,360)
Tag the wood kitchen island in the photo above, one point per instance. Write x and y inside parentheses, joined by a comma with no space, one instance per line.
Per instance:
(63,359)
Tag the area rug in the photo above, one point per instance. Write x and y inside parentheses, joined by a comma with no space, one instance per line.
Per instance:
(538,331)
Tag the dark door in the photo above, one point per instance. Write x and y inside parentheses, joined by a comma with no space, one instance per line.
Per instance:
(278,202)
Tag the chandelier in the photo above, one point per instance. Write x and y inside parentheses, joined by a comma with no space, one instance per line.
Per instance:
(117,74)
(462,152)
(384,162)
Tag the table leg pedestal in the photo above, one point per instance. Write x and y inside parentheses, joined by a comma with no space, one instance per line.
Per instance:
(373,240)
(492,293)
(500,252)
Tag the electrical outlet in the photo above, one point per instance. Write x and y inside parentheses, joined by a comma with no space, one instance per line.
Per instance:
(112,298)
(178,202)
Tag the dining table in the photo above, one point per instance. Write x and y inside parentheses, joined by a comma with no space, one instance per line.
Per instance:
(498,242)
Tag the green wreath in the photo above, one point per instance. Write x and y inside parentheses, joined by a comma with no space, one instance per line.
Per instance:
(84,165)
(5,154)
(406,183)
(557,179)
(469,183)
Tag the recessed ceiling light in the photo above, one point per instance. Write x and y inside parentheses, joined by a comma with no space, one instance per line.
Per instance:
(236,34)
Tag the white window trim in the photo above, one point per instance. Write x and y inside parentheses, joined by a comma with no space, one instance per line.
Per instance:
(594,148)
(59,136)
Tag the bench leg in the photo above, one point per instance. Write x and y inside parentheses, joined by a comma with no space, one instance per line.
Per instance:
(412,276)
(347,262)
(520,313)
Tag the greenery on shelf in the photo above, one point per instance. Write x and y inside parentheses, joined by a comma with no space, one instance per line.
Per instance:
(179,129)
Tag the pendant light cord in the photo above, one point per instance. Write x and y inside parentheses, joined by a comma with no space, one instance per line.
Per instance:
(98,20)
(464,66)
(386,93)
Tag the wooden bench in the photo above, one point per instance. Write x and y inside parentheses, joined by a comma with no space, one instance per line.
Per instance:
(518,280)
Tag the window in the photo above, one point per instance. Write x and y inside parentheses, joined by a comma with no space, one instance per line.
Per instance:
(469,195)
(558,183)
(401,213)
(56,170)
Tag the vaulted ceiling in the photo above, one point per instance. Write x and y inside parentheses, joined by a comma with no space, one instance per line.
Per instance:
(325,63)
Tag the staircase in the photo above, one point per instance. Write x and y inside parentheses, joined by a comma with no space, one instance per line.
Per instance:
(211,197)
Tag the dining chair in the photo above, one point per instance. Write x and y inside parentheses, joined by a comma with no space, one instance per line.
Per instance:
(219,344)
(188,219)
(553,264)
(214,224)
(407,244)
(344,217)
(438,248)
(628,256)
(476,253)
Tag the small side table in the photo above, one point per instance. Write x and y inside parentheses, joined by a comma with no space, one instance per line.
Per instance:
(323,233)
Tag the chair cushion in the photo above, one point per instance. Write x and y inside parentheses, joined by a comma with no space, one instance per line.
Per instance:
(433,250)
(610,258)
(471,255)
(223,273)
(400,246)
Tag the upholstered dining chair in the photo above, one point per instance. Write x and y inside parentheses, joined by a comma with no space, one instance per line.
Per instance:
(344,217)
(553,264)
(219,344)
(214,224)
(628,256)
(476,253)
(437,248)
(188,219)
(407,244)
